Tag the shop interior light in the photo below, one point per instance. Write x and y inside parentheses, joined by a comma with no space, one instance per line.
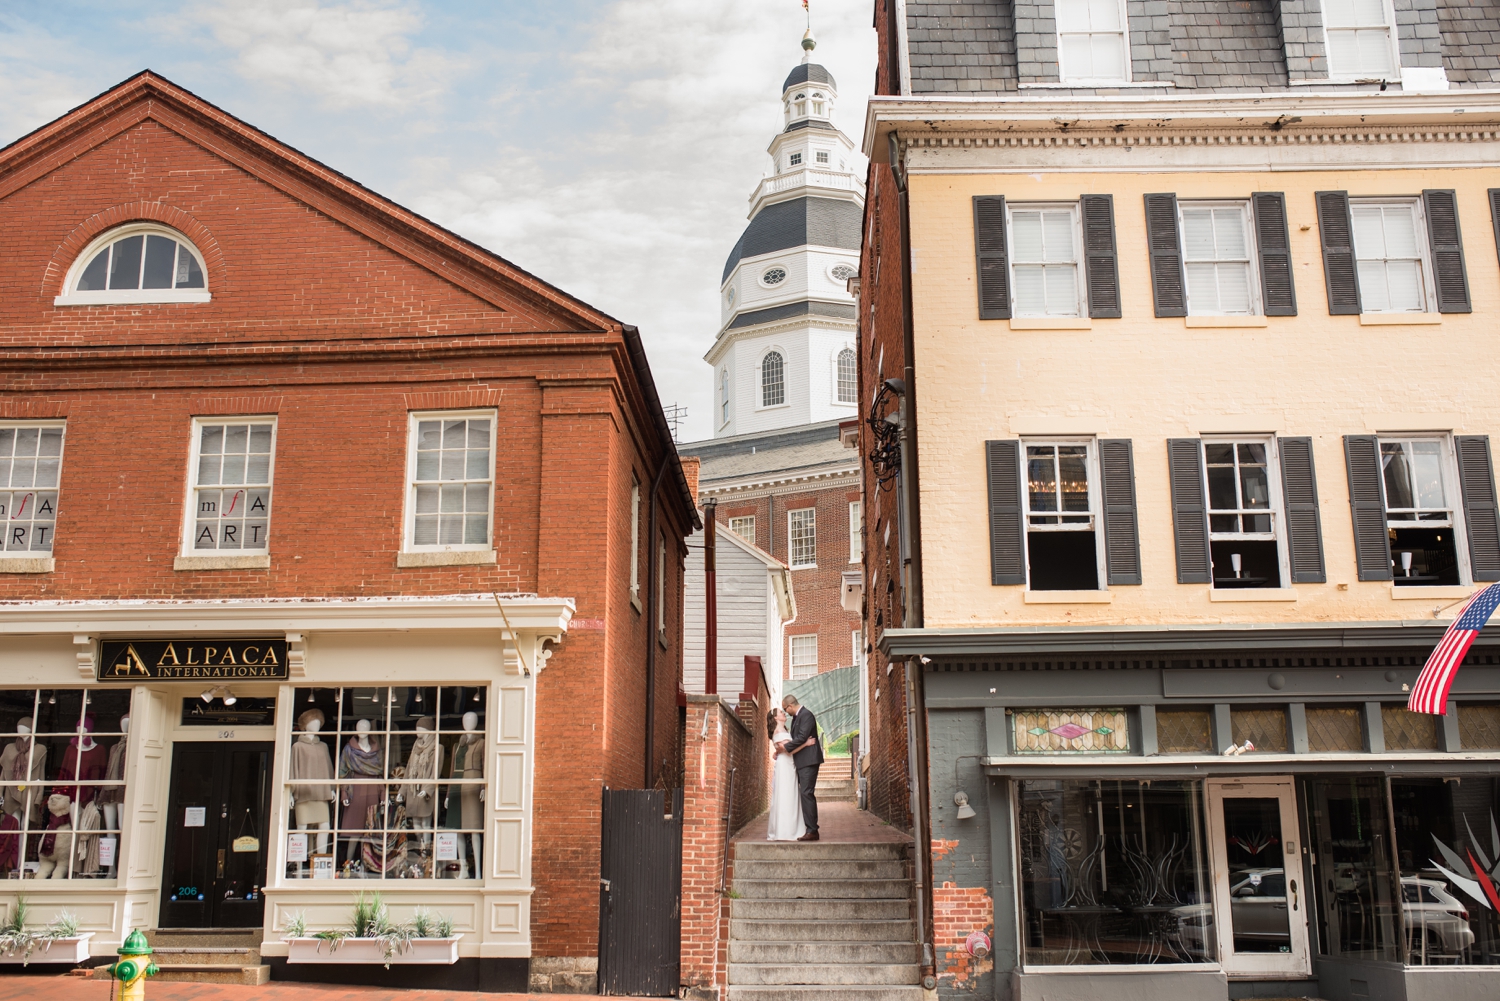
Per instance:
(207,695)
(229,698)
(476,696)
(52,699)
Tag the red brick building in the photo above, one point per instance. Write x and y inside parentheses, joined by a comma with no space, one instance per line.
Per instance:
(380,479)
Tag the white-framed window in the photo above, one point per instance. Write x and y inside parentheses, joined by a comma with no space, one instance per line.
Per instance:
(1423,513)
(822,156)
(804,656)
(635,541)
(800,105)
(31,455)
(1245,525)
(1063,549)
(1091,42)
(846,371)
(744,527)
(229,497)
(817,103)
(802,537)
(724,396)
(1218,260)
(451,477)
(1390,249)
(136,263)
(1361,39)
(661,586)
(857,644)
(772,380)
(1044,242)
(795,159)
(856,530)
(773,276)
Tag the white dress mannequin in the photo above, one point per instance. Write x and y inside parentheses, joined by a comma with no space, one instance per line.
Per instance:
(312,801)
(470,751)
(116,764)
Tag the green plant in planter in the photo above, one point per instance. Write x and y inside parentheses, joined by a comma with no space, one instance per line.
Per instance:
(371,920)
(295,926)
(426,924)
(14,936)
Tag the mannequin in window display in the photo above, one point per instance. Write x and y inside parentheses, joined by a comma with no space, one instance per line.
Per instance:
(83,761)
(360,759)
(424,764)
(86,839)
(312,764)
(110,797)
(466,812)
(25,796)
(57,843)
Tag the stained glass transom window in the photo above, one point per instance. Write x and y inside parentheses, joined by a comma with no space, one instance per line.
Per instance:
(1065,731)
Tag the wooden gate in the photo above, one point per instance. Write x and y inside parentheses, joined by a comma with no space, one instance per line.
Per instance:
(640,892)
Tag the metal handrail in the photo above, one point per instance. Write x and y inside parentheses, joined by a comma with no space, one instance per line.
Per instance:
(728,815)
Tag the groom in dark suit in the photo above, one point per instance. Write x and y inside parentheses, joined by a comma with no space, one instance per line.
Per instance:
(807,755)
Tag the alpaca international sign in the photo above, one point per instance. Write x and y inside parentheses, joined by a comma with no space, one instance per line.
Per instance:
(193,659)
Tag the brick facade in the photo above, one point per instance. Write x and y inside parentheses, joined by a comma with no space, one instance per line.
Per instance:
(340,313)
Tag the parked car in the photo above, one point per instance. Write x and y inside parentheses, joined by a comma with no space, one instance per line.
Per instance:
(1436,920)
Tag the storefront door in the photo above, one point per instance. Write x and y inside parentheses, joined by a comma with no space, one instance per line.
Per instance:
(1260,904)
(215,862)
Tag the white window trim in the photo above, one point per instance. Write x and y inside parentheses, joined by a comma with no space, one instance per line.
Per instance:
(726,402)
(1252,250)
(661,588)
(1419,217)
(743,518)
(856,524)
(635,542)
(190,505)
(409,514)
(1391,34)
(1066,80)
(791,659)
(760,388)
(789,557)
(31,555)
(769,266)
(1451,491)
(1080,283)
(142,295)
(1277,506)
(837,352)
(1095,509)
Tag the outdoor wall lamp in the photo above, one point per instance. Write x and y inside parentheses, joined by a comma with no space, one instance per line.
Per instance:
(961,798)
(223,692)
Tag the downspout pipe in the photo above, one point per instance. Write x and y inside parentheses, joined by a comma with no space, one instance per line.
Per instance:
(710,598)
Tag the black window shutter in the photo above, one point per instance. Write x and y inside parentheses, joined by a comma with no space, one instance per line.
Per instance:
(992,263)
(1495,216)
(1477,481)
(1441,209)
(1278,290)
(1304,529)
(1189,512)
(1003,468)
(1122,543)
(1100,259)
(1372,545)
(1337,232)
(1167,288)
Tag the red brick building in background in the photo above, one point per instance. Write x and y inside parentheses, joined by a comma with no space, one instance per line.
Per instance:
(466,501)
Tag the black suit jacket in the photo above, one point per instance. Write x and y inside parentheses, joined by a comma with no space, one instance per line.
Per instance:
(805,725)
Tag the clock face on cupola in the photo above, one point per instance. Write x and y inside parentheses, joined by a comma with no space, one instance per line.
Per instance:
(784,354)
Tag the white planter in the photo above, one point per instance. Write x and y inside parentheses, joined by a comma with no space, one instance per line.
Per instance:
(422,951)
(72,950)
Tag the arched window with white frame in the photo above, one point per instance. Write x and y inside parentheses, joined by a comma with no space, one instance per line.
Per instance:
(136,263)
(724,396)
(848,377)
(772,380)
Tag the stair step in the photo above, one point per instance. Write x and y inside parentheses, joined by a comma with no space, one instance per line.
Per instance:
(222,956)
(828,910)
(819,869)
(750,851)
(823,931)
(205,973)
(823,953)
(839,973)
(827,889)
(814,992)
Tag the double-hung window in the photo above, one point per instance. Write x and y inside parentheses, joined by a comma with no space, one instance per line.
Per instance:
(744,527)
(1091,44)
(1062,527)
(231,490)
(802,537)
(1359,39)
(1217,258)
(804,656)
(451,477)
(856,530)
(1044,242)
(30,469)
(1244,516)
(1390,253)
(1422,512)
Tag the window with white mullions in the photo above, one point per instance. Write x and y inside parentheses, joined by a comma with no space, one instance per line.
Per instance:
(1421,512)
(30,468)
(1062,549)
(1389,250)
(744,527)
(802,536)
(1243,520)
(232,485)
(1091,41)
(1359,39)
(848,379)
(804,659)
(1044,261)
(1217,259)
(772,380)
(452,475)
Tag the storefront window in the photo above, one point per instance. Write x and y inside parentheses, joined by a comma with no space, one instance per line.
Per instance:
(62,781)
(387,783)
(1113,872)
(1449,852)
(1349,832)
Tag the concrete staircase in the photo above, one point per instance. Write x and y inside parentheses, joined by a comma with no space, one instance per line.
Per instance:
(822,922)
(209,956)
(836,781)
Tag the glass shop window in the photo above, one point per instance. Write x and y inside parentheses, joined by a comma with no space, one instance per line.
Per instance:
(62,781)
(1449,854)
(1114,872)
(387,783)
(1354,880)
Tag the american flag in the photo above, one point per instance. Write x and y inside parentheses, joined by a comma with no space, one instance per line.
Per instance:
(1430,693)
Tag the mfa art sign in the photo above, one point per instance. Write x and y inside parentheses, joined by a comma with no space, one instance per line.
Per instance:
(193,660)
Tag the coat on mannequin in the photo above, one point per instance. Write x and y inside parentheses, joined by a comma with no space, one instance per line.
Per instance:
(312,775)
(26,798)
(467,810)
(83,761)
(110,797)
(361,759)
(424,764)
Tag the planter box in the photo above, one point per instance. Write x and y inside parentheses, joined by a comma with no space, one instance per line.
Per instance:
(423,951)
(73,950)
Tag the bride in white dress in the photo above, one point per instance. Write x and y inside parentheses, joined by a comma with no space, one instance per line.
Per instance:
(786,802)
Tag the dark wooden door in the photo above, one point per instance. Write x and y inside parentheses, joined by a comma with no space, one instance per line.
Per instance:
(640,892)
(215,862)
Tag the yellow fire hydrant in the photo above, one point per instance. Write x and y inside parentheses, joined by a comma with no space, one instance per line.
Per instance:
(134,967)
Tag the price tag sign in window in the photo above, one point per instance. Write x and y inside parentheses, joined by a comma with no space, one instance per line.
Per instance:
(107,852)
(296,847)
(445,846)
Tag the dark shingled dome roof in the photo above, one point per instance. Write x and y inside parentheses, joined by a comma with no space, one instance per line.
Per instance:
(823,222)
(808,73)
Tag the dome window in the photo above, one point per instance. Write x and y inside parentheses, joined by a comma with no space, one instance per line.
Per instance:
(842,272)
(775,276)
(822,156)
(796,159)
(136,264)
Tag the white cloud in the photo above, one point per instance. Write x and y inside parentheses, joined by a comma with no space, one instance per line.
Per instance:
(38,78)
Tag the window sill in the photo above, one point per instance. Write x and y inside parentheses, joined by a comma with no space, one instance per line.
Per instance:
(804,566)
(1398,319)
(635,603)
(1253,594)
(258,561)
(455,558)
(1069,597)
(27,564)
(1051,323)
(131,298)
(1225,321)
(1400,593)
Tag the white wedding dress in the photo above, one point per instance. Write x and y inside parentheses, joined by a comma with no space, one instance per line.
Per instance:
(786,801)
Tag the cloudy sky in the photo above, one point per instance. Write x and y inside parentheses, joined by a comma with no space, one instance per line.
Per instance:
(609,146)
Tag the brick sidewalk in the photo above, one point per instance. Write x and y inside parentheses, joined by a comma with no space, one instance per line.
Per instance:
(26,987)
